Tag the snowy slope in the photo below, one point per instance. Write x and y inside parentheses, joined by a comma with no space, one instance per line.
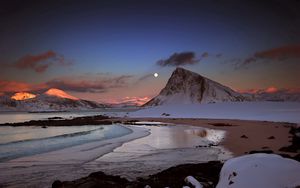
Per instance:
(260,171)
(277,96)
(51,100)
(7,104)
(187,87)
(265,111)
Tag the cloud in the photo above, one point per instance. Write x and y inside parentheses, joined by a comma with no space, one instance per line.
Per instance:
(219,55)
(275,54)
(280,53)
(179,59)
(94,86)
(40,62)
(15,86)
(271,90)
(145,77)
(204,55)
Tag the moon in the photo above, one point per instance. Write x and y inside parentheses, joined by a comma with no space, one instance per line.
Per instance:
(155,75)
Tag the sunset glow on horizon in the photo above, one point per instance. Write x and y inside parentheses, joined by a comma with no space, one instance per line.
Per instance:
(107,51)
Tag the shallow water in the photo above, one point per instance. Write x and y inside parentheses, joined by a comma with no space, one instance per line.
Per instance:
(22,141)
(16,117)
(133,155)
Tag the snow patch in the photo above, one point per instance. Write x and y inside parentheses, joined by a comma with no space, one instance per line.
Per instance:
(260,171)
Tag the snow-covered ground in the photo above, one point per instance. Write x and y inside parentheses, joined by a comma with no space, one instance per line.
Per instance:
(265,111)
(260,171)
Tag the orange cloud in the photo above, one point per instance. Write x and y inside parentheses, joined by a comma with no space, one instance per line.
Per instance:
(271,89)
(40,62)
(291,51)
(97,85)
(35,62)
(14,86)
(280,53)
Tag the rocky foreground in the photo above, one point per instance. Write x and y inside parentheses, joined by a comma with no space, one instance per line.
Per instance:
(58,121)
(208,174)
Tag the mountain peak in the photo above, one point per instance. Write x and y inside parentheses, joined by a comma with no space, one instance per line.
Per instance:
(187,87)
(22,96)
(180,70)
(60,93)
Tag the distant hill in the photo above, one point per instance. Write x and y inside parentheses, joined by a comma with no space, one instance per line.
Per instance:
(51,100)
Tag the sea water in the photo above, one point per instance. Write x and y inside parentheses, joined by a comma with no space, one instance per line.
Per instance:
(23,141)
(16,117)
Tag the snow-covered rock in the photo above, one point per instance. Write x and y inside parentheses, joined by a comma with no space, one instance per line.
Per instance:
(187,87)
(260,171)
(191,180)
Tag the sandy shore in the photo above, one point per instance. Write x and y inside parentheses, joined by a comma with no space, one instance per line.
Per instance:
(258,135)
(242,137)
(147,155)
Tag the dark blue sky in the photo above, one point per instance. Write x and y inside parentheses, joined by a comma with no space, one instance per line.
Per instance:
(126,38)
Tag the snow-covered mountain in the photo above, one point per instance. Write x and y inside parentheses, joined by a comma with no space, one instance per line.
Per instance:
(187,87)
(51,100)
(278,96)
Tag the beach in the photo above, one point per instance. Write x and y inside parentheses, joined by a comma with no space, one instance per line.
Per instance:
(258,135)
(154,145)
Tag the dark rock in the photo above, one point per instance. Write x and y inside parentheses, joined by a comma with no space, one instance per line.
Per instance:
(222,124)
(295,146)
(57,184)
(96,179)
(271,137)
(208,173)
(297,157)
(55,118)
(130,122)
(89,120)
(244,136)
(261,151)
(174,176)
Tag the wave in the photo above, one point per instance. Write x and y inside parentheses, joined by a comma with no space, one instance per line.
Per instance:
(16,149)
(54,137)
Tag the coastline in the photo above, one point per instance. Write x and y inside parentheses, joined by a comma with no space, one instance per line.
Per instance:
(241,135)
(208,173)
(256,137)
(32,170)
